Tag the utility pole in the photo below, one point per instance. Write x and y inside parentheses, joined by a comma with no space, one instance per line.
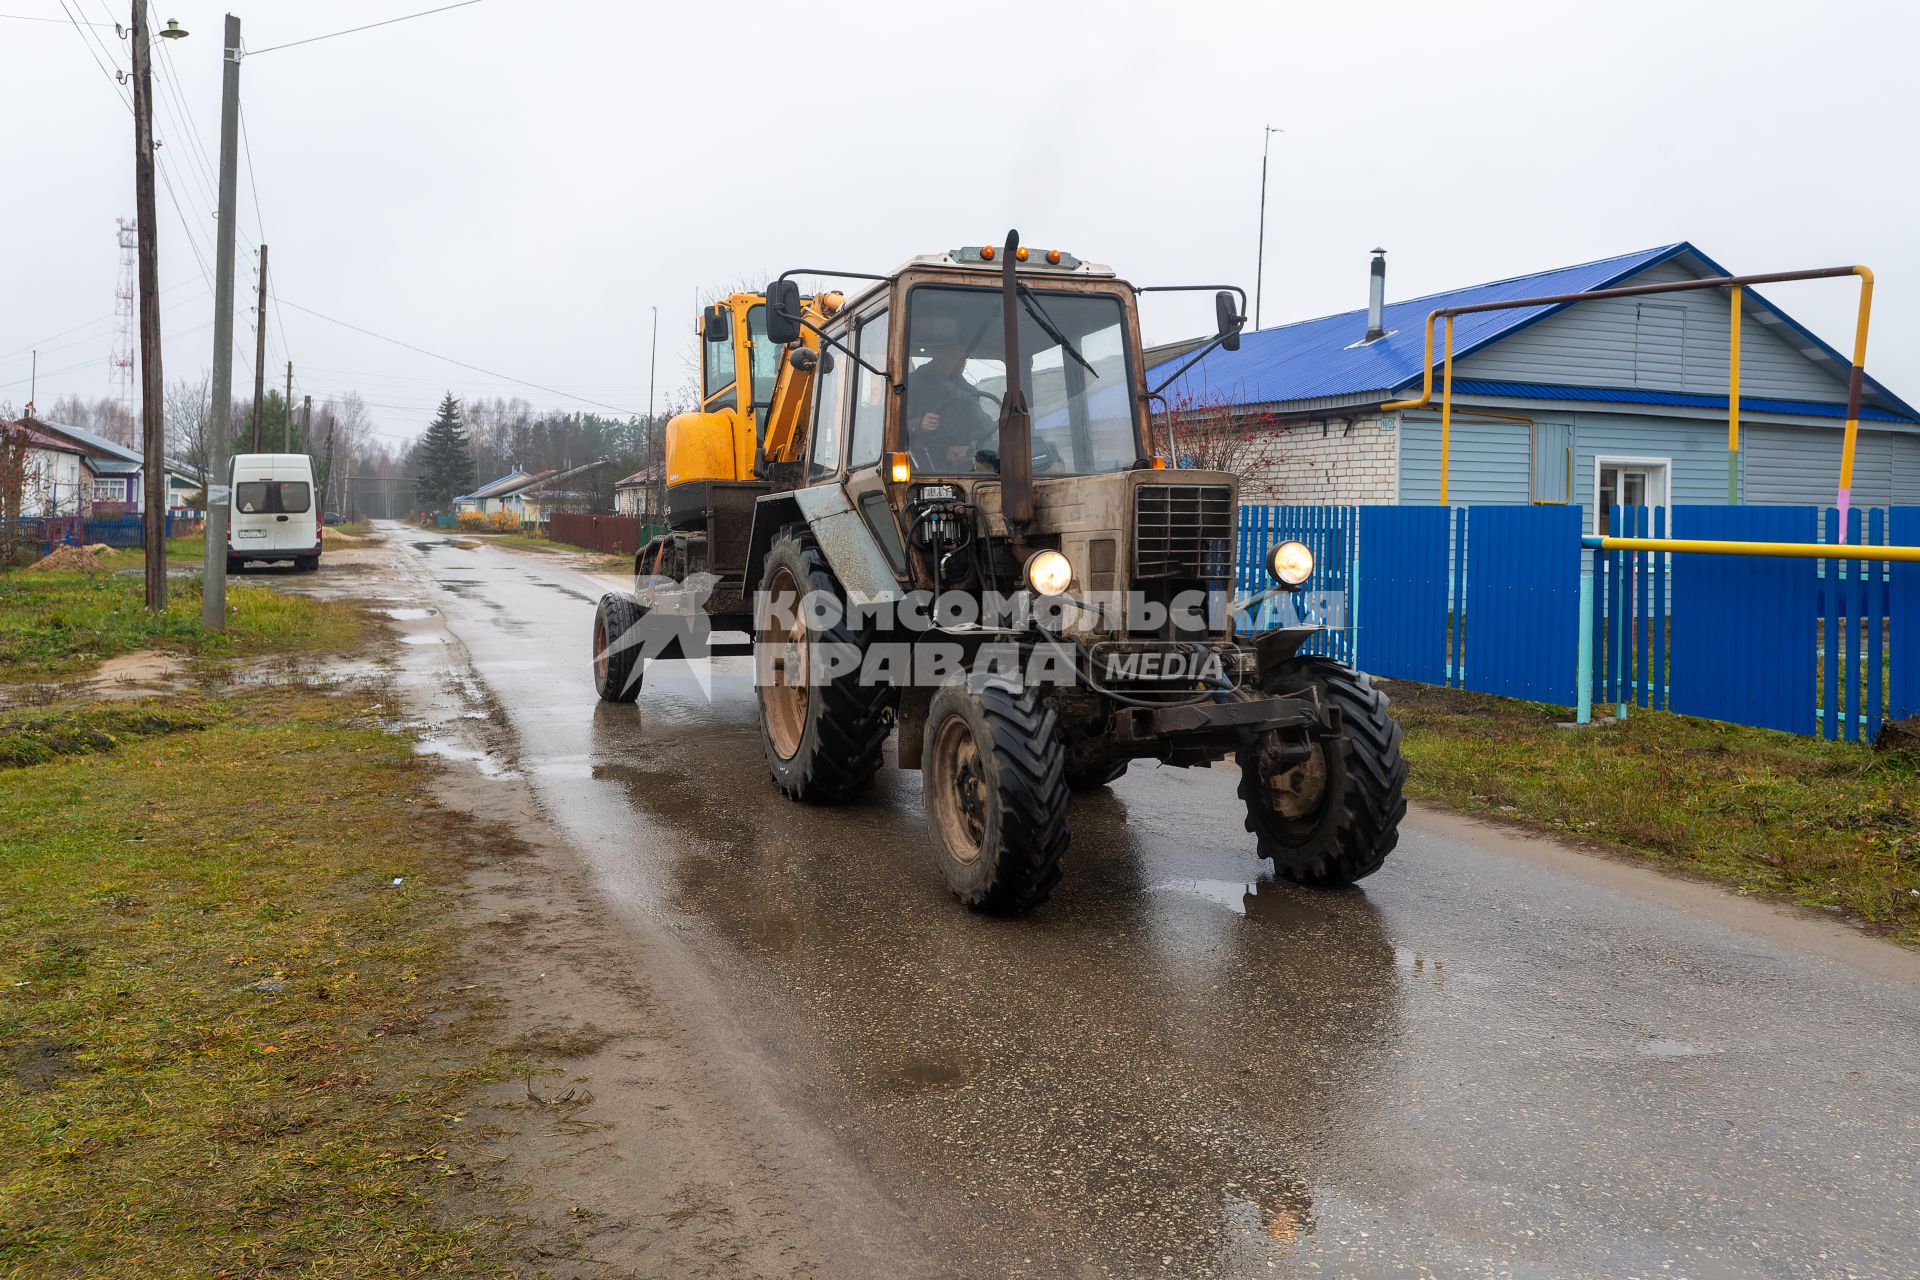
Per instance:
(1260,261)
(260,352)
(152,422)
(653,428)
(326,469)
(286,414)
(213,595)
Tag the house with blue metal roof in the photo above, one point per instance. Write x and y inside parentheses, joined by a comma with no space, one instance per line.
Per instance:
(1614,399)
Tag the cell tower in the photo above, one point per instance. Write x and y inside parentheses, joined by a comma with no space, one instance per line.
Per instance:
(120,361)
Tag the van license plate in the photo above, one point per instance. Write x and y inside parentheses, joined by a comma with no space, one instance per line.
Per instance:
(253,533)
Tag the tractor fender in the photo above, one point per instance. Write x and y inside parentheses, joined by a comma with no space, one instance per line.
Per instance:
(1279,645)
(855,555)
(772,512)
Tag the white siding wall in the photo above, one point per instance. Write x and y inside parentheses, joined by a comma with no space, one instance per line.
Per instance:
(1795,465)
(54,483)
(1779,464)
(1666,342)
(1342,461)
(1487,461)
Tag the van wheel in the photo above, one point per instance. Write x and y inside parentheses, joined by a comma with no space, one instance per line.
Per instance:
(306,564)
(235,564)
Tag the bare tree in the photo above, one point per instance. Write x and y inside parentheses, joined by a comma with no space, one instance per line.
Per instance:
(1213,435)
(189,413)
(104,416)
(17,474)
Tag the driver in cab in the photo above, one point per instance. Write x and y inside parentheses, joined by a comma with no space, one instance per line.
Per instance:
(947,423)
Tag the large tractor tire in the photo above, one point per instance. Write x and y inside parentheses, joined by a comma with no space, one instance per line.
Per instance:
(993,773)
(822,737)
(617,667)
(1333,819)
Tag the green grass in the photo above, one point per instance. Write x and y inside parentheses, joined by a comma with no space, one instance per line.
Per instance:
(226,1043)
(55,624)
(37,735)
(1827,824)
(603,561)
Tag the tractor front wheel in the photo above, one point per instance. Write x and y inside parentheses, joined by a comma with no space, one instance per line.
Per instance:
(1334,817)
(993,773)
(822,728)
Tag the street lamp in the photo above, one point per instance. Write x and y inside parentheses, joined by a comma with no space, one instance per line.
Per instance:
(174,31)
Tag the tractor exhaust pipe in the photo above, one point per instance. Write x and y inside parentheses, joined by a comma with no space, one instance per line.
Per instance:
(1016,423)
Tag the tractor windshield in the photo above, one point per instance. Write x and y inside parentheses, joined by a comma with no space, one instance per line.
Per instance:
(1073,346)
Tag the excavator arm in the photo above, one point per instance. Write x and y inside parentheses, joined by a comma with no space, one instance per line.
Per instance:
(786,431)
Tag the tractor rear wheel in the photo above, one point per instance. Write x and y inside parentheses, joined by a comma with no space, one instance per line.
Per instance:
(1333,818)
(993,773)
(822,729)
(617,660)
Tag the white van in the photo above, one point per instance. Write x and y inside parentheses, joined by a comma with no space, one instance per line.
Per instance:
(272,511)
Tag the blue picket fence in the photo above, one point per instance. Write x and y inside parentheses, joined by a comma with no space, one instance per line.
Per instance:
(1487,598)
(47,532)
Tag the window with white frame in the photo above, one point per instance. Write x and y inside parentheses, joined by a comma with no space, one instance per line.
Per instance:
(1627,482)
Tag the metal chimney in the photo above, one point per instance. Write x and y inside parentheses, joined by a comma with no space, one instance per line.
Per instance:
(1377,297)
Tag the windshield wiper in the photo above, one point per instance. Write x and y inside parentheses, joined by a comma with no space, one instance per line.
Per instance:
(1052,330)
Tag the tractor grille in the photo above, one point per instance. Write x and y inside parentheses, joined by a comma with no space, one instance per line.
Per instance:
(1183,531)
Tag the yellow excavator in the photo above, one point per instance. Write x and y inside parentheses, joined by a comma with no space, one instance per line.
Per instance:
(939,506)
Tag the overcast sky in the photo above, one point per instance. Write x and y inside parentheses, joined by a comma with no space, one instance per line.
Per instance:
(515,185)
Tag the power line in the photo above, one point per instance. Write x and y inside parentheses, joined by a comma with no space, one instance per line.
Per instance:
(503,377)
(254,53)
(89,45)
(34,17)
(260,218)
(47,346)
(197,152)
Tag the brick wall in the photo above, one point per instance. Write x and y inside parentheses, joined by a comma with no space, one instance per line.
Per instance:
(1323,460)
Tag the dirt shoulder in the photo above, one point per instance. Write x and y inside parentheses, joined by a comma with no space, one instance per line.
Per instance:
(236,1034)
(295,995)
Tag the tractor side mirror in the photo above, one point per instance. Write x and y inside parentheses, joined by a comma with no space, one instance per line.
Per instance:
(783,312)
(716,323)
(1228,318)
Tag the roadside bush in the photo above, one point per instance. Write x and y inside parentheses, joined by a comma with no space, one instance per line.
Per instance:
(472,522)
(504,522)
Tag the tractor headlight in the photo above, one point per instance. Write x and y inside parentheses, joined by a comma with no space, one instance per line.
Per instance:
(1048,572)
(1290,563)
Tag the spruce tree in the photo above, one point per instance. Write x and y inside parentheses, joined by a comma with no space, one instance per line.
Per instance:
(443,460)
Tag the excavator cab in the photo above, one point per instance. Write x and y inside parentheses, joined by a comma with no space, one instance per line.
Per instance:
(944,512)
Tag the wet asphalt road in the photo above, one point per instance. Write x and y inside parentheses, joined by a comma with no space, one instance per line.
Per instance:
(1495,1058)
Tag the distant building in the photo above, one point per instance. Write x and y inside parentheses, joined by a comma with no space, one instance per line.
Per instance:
(639,495)
(115,472)
(500,495)
(1609,400)
(531,496)
(60,475)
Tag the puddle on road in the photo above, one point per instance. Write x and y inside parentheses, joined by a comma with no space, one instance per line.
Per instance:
(1231,894)
(428,637)
(485,761)
(409,614)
